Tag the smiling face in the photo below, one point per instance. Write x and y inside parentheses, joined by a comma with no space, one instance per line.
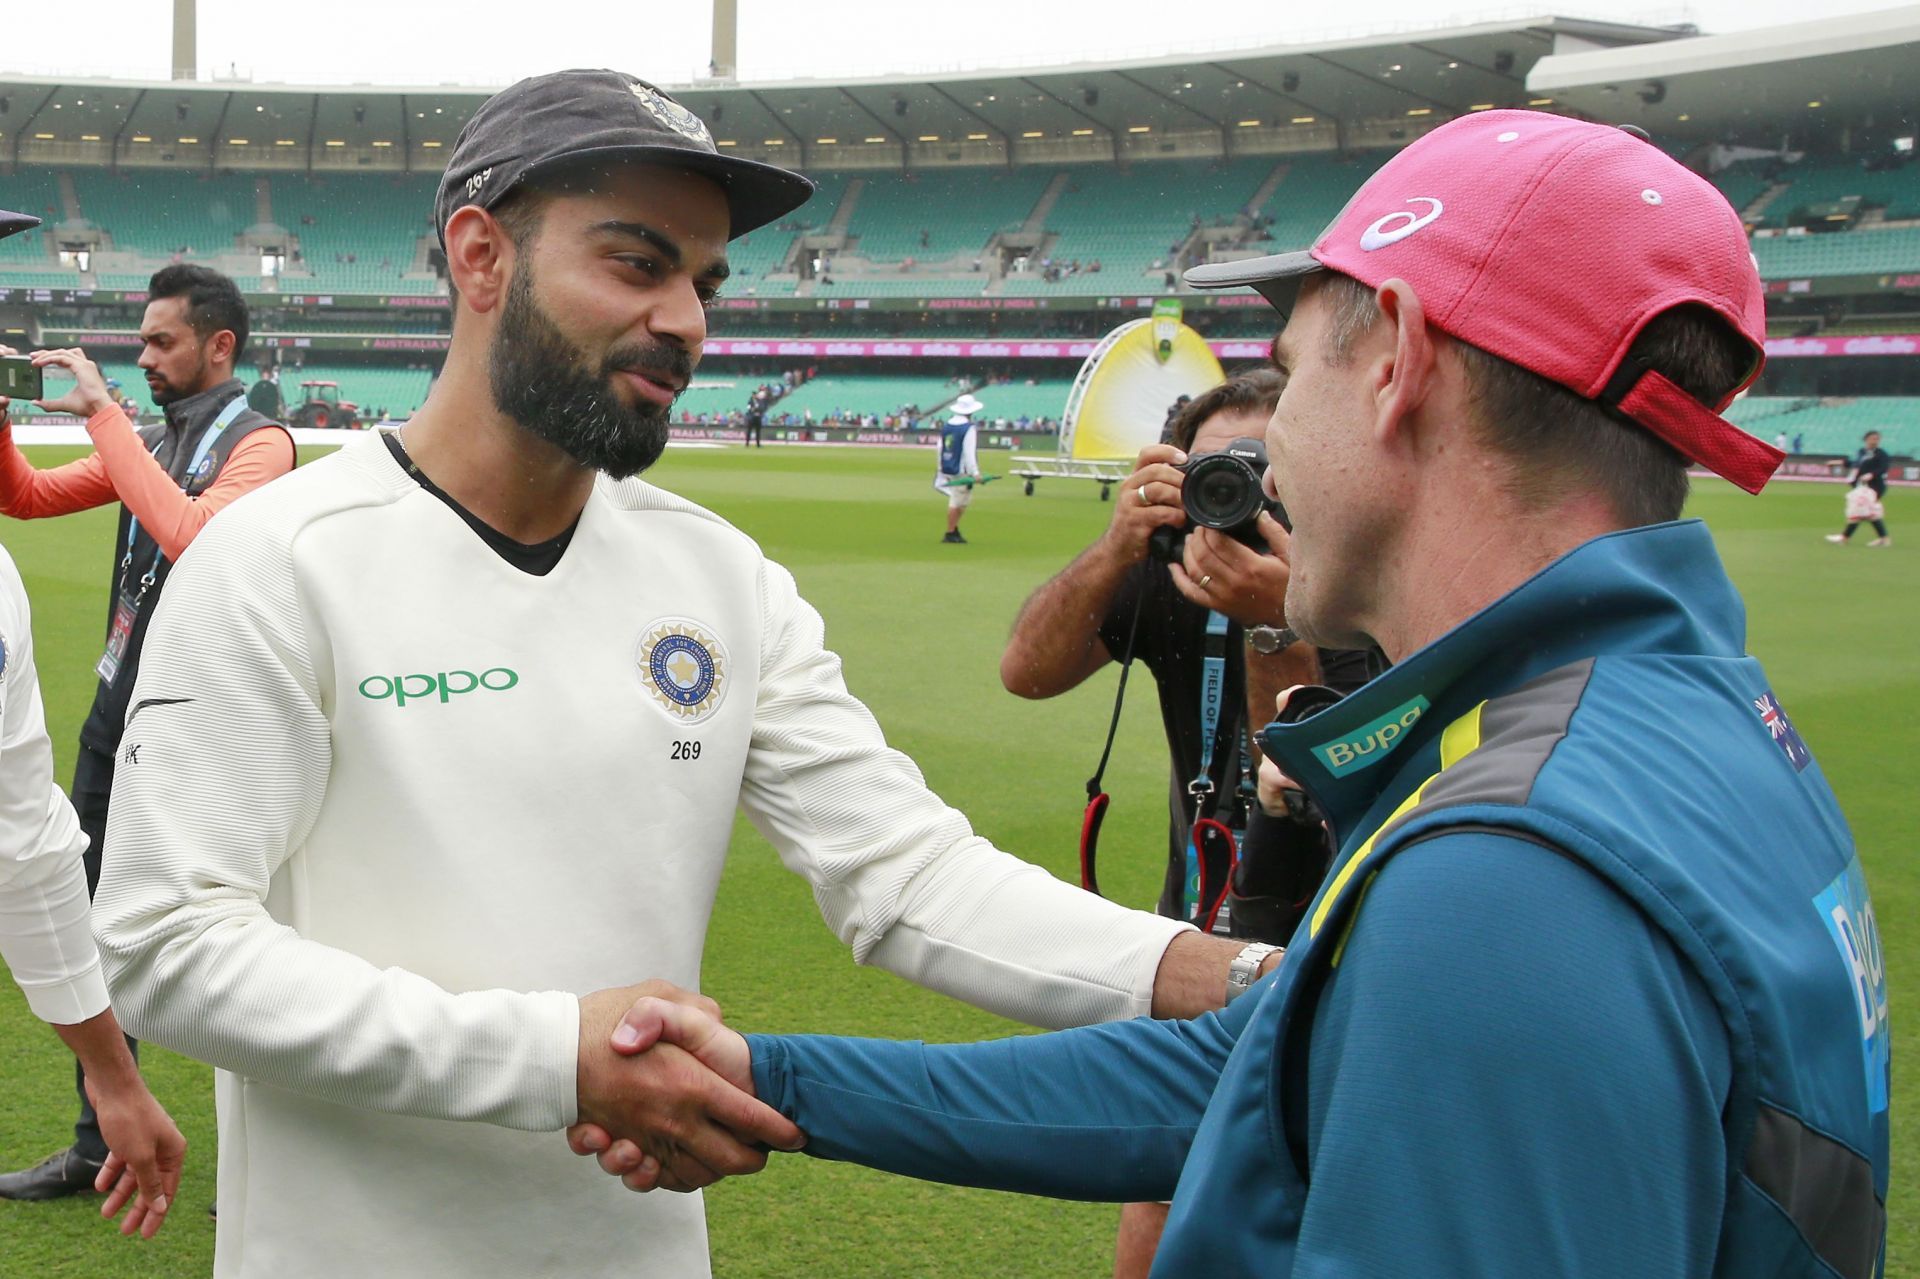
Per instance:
(605,314)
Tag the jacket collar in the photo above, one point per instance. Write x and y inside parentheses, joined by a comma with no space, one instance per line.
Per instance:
(195,411)
(1658,589)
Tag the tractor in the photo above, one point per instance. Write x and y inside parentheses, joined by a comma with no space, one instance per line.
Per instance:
(322,407)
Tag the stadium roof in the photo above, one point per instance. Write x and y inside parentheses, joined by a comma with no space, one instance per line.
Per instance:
(1846,69)
(1436,73)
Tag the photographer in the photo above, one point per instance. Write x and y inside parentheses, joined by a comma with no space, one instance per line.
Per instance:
(170,479)
(1081,620)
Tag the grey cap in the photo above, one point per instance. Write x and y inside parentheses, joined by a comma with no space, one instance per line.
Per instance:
(554,121)
(1277,276)
(13,223)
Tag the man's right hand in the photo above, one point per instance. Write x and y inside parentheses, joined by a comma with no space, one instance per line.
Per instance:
(694,1125)
(654,1025)
(1148,499)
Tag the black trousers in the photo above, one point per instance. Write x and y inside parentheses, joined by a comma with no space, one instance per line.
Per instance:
(92,785)
(753,432)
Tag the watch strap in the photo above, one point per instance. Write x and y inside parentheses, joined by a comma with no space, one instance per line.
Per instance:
(1245,968)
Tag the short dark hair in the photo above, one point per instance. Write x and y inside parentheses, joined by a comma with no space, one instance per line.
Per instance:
(213,300)
(1562,438)
(1257,390)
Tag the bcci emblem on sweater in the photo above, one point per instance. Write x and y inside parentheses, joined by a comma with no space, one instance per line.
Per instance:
(683,667)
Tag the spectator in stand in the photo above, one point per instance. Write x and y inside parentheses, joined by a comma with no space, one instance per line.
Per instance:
(1799,443)
(1869,468)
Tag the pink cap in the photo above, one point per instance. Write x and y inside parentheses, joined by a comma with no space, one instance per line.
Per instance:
(1551,243)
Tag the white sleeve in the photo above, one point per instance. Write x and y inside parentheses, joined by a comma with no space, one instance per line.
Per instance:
(218,785)
(900,876)
(44,934)
(970,457)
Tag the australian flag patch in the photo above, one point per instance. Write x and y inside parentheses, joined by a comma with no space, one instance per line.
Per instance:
(1781,729)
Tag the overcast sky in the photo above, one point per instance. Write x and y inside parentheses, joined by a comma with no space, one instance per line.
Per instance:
(420,42)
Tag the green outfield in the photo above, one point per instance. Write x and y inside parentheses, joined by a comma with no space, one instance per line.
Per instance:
(920,625)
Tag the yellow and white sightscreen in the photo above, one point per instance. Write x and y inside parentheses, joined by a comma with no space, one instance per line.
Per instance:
(1119,401)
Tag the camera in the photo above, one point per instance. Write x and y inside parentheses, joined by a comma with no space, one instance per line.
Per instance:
(19,379)
(1222,491)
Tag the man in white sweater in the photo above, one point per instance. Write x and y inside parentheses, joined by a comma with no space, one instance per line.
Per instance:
(438,742)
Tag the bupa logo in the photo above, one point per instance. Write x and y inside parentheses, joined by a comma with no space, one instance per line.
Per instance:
(1847,911)
(478,180)
(442,686)
(1400,224)
(1372,742)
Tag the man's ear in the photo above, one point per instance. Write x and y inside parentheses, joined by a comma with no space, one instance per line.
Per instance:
(480,257)
(1403,374)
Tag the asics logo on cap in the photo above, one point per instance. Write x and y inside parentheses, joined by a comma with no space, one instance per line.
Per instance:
(1380,235)
(671,113)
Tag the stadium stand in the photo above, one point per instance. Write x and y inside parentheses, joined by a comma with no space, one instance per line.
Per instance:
(364,232)
(1867,250)
(853,394)
(1127,219)
(35,191)
(1309,196)
(1034,400)
(953,211)
(163,212)
(1896,190)
(1832,425)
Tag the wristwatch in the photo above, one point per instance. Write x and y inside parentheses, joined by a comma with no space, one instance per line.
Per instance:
(1271,639)
(1246,967)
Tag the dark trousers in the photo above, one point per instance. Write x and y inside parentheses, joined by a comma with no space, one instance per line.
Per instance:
(92,784)
(753,433)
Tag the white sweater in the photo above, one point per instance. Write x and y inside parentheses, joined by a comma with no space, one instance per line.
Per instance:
(44,935)
(411,801)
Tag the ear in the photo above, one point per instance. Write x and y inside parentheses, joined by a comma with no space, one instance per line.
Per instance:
(480,257)
(220,346)
(1403,376)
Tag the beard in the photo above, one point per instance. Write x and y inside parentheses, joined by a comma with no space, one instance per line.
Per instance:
(548,385)
(163,392)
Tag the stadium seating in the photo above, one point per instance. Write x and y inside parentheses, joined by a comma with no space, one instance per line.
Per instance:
(956,210)
(1126,219)
(1832,425)
(1010,401)
(1866,251)
(1742,184)
(1822,182)
(161,212)
(376,220)
(1314,190)
(828,395)
(34,191)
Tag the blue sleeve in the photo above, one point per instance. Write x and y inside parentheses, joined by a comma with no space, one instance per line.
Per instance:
(1511,1071)
(1103,1112)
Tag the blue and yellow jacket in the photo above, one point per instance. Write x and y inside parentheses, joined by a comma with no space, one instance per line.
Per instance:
(1594,989)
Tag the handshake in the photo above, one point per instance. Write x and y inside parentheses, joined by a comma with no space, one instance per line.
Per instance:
(666,1092)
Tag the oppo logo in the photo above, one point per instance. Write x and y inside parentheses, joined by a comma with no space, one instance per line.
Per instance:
(401,689)
(1397,226)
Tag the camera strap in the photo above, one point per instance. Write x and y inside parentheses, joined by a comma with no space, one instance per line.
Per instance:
(1098,799)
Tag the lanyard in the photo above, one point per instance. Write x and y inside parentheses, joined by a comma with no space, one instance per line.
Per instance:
(1213,693)
(214,431)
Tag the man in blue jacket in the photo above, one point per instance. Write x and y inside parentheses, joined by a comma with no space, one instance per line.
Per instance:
(1594,987)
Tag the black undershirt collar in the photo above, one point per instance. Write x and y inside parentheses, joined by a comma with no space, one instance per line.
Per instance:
(536,558)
